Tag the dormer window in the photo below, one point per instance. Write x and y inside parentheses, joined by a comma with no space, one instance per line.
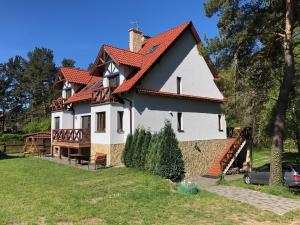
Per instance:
(68,93)
(114,81)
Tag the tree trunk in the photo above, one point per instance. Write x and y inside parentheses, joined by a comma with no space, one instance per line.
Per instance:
(282,101)
(297,123)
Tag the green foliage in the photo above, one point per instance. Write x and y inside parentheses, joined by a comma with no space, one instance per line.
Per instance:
(37,126)
(145,149)
(187,188)
(151,163)
(68,62)
(125,154)
(164,157)
(170,162)
(130,154)
(137,149)
(11,137)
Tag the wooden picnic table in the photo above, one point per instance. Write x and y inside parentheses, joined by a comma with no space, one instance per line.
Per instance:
(77,156)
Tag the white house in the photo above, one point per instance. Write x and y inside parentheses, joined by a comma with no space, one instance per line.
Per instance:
(157,78)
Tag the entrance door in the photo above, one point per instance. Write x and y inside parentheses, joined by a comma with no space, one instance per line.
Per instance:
(86,122)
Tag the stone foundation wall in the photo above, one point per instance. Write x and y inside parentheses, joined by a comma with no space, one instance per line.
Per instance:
(113,153)
(199,156)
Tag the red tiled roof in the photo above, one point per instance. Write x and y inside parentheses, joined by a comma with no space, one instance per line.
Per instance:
(183,96)
(124,56)
(163,41)
(83,95)
(78,76)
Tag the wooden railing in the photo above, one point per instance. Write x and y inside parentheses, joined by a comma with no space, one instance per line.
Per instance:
(243,135)
(58,104)
(103,95)
(81,136)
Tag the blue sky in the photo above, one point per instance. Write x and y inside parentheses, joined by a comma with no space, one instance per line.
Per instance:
(77,28)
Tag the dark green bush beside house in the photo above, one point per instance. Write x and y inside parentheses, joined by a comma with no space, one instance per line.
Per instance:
(170,162)
(159,154)
(126,152)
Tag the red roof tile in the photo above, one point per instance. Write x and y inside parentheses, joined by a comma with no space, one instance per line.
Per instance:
(163,41)
(78,76)
(85,94)
(124,56)
(183,96)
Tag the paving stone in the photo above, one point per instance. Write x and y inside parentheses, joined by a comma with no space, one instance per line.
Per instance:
(275,204)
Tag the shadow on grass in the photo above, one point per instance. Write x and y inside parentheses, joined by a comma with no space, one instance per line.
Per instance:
(4,156)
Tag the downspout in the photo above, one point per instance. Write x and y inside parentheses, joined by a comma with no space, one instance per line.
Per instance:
(130,111)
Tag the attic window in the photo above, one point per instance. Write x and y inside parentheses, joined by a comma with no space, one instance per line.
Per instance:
(98,85)
(152,49)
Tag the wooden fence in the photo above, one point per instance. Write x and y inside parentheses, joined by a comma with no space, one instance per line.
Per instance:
(18,147)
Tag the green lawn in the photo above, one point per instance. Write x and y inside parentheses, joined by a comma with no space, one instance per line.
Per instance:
(34,191)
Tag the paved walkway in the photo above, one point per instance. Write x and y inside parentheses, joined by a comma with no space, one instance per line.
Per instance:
(275,204)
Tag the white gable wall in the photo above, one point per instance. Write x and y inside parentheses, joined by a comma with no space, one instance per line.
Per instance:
(67,85)
(182,60)
(199,119)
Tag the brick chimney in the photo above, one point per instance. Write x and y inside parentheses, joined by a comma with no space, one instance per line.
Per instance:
(135,40)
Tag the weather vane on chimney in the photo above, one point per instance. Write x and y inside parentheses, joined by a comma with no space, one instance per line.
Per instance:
(135,24)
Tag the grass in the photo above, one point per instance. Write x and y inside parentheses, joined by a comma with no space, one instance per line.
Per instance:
(35,191)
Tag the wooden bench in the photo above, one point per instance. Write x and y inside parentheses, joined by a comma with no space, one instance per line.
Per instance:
(100,159)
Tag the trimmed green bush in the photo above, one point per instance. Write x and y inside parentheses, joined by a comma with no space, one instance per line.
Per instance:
(151,163)
(145,148)
(137,149)
(171,165)
(130,162)
(125,154)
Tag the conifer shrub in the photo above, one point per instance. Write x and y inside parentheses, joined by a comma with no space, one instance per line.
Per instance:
(137,148)
(152,156)
(169,162)
(125,154)
(132,147)
(145,149)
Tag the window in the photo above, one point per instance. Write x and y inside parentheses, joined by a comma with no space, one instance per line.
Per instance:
(56,123)
(68,93)
(220,123)
(179,87)
(114,81)
(100,122)
(152,49)
(120,121)
(86,122)
(179,122)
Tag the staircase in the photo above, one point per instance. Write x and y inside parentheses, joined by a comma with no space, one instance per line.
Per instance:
(229,155)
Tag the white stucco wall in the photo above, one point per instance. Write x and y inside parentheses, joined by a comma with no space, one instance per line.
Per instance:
(182,60)
(72,86)
(81,109)
(111,135)
(66,119)
(199,119)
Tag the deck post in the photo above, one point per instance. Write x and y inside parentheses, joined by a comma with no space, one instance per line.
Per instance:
(59,152)
(69,152)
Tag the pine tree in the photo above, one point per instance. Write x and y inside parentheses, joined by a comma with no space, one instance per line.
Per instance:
(145,149)
(170,162)
(125,153)
(68,62)
(138,148)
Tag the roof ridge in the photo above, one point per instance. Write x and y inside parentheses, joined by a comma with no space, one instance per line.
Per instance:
(170,29)
(124,49)
(66,67)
